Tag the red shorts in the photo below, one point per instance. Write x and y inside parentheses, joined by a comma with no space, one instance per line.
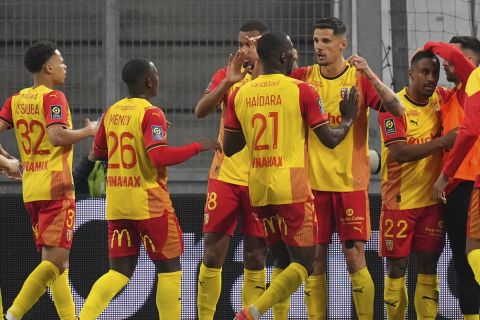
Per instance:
(294,224)
(348,212)
(53,222)
(225,203)
(473,222)
(420,229)
(161,237)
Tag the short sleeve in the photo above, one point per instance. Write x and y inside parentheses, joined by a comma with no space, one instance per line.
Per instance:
(217,77)
(6,113)
(55,108)
(370,95)
(231,120)
(100,142)
(393,128)
(311,106)
(154,127)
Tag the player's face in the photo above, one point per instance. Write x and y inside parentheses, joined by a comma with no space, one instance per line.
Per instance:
(154,81)
(328,47)
(295,59)
(449,68)
(57,68)
(424,76)
(245,44)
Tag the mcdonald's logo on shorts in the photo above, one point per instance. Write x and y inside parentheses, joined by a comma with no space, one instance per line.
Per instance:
(119,235)
(146,240)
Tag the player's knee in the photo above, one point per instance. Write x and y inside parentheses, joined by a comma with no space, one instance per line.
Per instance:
(254,260)
(212,259)
(396,270)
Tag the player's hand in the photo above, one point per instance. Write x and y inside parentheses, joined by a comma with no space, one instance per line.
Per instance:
(91,126)
(234,67)
(13,169)
(360,64)
(210,144)
(256,70)
(439,188)
(349,104)
(449,138)
(168,123)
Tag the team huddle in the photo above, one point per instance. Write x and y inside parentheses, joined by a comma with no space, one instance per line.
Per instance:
(291,162)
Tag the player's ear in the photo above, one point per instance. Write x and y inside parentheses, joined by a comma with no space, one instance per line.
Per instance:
(148,82)
(343,43)
(47,68)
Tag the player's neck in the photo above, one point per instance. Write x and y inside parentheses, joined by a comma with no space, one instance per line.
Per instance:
(132,95)
(416,96)
(41,80)
(334,68)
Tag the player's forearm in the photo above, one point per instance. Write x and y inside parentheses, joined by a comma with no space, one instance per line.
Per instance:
(403,153)
(389,99)
(60,136)
(163,156)
(462,146)
(209,102)
(331,137)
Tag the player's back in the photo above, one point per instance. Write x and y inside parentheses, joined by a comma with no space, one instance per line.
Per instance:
(136,190)
(47,169)
(270,113)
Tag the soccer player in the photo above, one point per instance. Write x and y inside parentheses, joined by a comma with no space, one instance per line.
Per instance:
(227,195)
(133,136)
(460,190)
(411,218)
(41,119)
(466,140)
(270,116)
(340,176)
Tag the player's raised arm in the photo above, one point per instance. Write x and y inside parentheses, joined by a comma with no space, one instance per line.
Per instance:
(233,137)
(388,98)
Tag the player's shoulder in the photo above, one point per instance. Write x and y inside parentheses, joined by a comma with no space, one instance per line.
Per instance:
(221,72)
(154,112)
(53,94)
(301,72)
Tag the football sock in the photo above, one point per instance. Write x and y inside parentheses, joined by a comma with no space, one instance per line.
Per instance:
(395,297)
(474,261)
(426,296)
(280,310)
(209,287)
(62,297)
(316,296)
(363,291)
(253,285)
(169,295)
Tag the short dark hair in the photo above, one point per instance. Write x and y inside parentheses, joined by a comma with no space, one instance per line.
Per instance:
(333,23)
(135,70)
(254,25)
(423,55)
(271,45)
(467,42)
(38,54)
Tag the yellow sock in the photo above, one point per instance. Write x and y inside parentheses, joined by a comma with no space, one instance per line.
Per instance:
(1,304)
(316,297)
(169,295)
(281,287)
(62,297)
(104,289)
(395,297)
(209,287)
(471,317)
(33,288)
(426,296)
(474,262)
(280,310)
(253,285)
(363,291)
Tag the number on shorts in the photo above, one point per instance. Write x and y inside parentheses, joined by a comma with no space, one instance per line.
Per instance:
(211,200)
(402,224)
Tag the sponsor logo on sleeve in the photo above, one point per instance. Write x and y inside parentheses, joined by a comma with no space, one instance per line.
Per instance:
(321,105)
(56,112)
(157,133)
(390,126)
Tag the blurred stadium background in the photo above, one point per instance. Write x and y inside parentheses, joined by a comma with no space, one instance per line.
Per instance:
(188,40)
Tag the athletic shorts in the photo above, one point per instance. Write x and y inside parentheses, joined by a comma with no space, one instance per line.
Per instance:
(473,222)
(403,231)
(347,212)
(225,203)
(161,237)
(53,222)
(294,224)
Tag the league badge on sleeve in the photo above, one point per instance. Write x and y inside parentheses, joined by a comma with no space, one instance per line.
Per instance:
(320,105)
(390,126)
(157,133)
(56,112)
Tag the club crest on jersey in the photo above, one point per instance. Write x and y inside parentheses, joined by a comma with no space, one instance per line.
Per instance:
(390,126)
(389,244)
(320,105)
(157,133)
(56,112)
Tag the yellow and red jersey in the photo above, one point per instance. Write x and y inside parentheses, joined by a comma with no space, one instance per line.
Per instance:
(409,185)
(136,190)
(469,130)
(47,169)
(347,167)
(228,169)
(274,111)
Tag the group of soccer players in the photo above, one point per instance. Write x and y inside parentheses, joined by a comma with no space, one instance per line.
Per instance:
(291,162)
